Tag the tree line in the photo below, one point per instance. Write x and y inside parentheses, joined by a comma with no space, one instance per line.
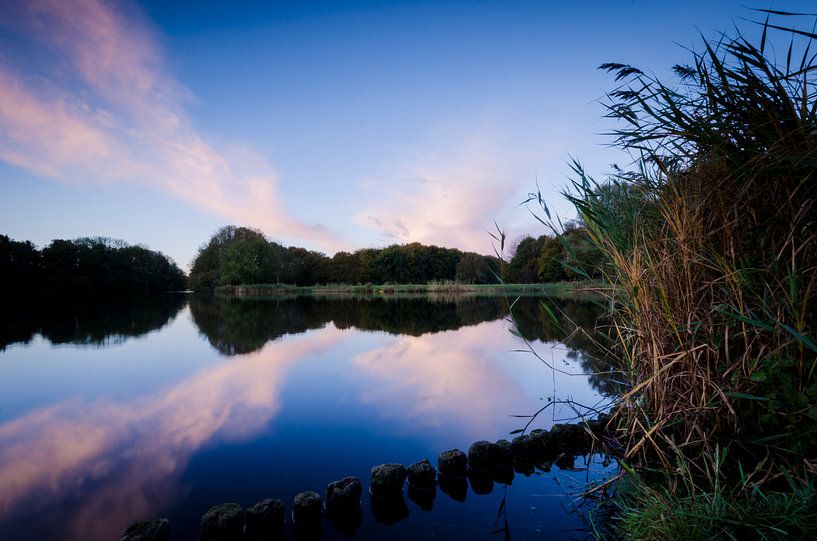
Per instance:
(240,255)
(85,265)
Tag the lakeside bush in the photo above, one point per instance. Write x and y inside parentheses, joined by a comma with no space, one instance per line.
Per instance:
(569,254)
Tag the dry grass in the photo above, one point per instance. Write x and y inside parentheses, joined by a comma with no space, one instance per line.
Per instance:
(712,241)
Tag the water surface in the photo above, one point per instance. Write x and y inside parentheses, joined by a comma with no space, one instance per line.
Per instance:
(115,411)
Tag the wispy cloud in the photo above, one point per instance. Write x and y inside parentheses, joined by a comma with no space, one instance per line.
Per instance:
(454,205)
(107,110)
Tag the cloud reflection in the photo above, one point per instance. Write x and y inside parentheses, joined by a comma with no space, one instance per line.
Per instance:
(134,453)
(464,383)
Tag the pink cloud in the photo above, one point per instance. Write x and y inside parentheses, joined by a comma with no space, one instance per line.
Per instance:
(461,193)
(108,111)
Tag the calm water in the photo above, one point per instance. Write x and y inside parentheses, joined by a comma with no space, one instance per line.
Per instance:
(118,411)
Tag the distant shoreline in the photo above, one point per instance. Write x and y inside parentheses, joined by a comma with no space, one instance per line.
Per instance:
(395,290)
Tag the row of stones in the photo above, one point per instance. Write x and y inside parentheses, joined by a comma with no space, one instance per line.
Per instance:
(484,463)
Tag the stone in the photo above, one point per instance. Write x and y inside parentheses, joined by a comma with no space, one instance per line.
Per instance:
(422,475)
(566,437)
(452,463)
(147,530)
(223,522)
(524,468)
(521,450)
(306,508)
(388,479)
(565,461)
(483,456)
(344,495)
(503,474)
(265,519)
(573,438)
(503,449)
(541,446)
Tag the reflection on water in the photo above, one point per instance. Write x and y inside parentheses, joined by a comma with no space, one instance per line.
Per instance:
(86,321)
(240,326)
(303,397)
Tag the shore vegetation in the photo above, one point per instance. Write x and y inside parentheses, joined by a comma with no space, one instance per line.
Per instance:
(710,242)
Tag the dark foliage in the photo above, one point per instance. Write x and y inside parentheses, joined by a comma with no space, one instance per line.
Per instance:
(86,321)
(238,255)
(84,266)
(571,255)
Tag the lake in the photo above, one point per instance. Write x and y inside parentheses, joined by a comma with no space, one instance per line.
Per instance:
(121,410)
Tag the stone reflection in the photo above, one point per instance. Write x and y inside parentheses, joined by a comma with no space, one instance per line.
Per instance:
(86,321)
(389,510)
(423,497)
(455,488)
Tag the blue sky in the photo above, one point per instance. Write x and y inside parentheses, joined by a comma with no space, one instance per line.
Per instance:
(327,125)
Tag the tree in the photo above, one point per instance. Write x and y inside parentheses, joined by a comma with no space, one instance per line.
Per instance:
(207,266)
(550,267)
(476,269)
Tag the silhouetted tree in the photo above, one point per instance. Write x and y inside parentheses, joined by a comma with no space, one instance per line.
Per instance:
(85,265)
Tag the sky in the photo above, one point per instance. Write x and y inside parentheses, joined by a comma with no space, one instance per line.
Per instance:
(329,125)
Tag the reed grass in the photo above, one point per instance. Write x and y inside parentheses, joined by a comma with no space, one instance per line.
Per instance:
(711,244)
(448,288)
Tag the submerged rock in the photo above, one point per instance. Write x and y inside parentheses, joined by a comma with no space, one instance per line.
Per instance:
(503,474)
(565,461)
(452,463)
(540,446)
(422,475)
(223,522)
(504,455)
(265,519)
(521,450)
(388,479)
(601,424)
(147,530)
(524,468)
(344,495)
(571,438)
(306,508)
(483,456)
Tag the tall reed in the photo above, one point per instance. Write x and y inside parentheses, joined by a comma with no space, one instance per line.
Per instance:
(711,240)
